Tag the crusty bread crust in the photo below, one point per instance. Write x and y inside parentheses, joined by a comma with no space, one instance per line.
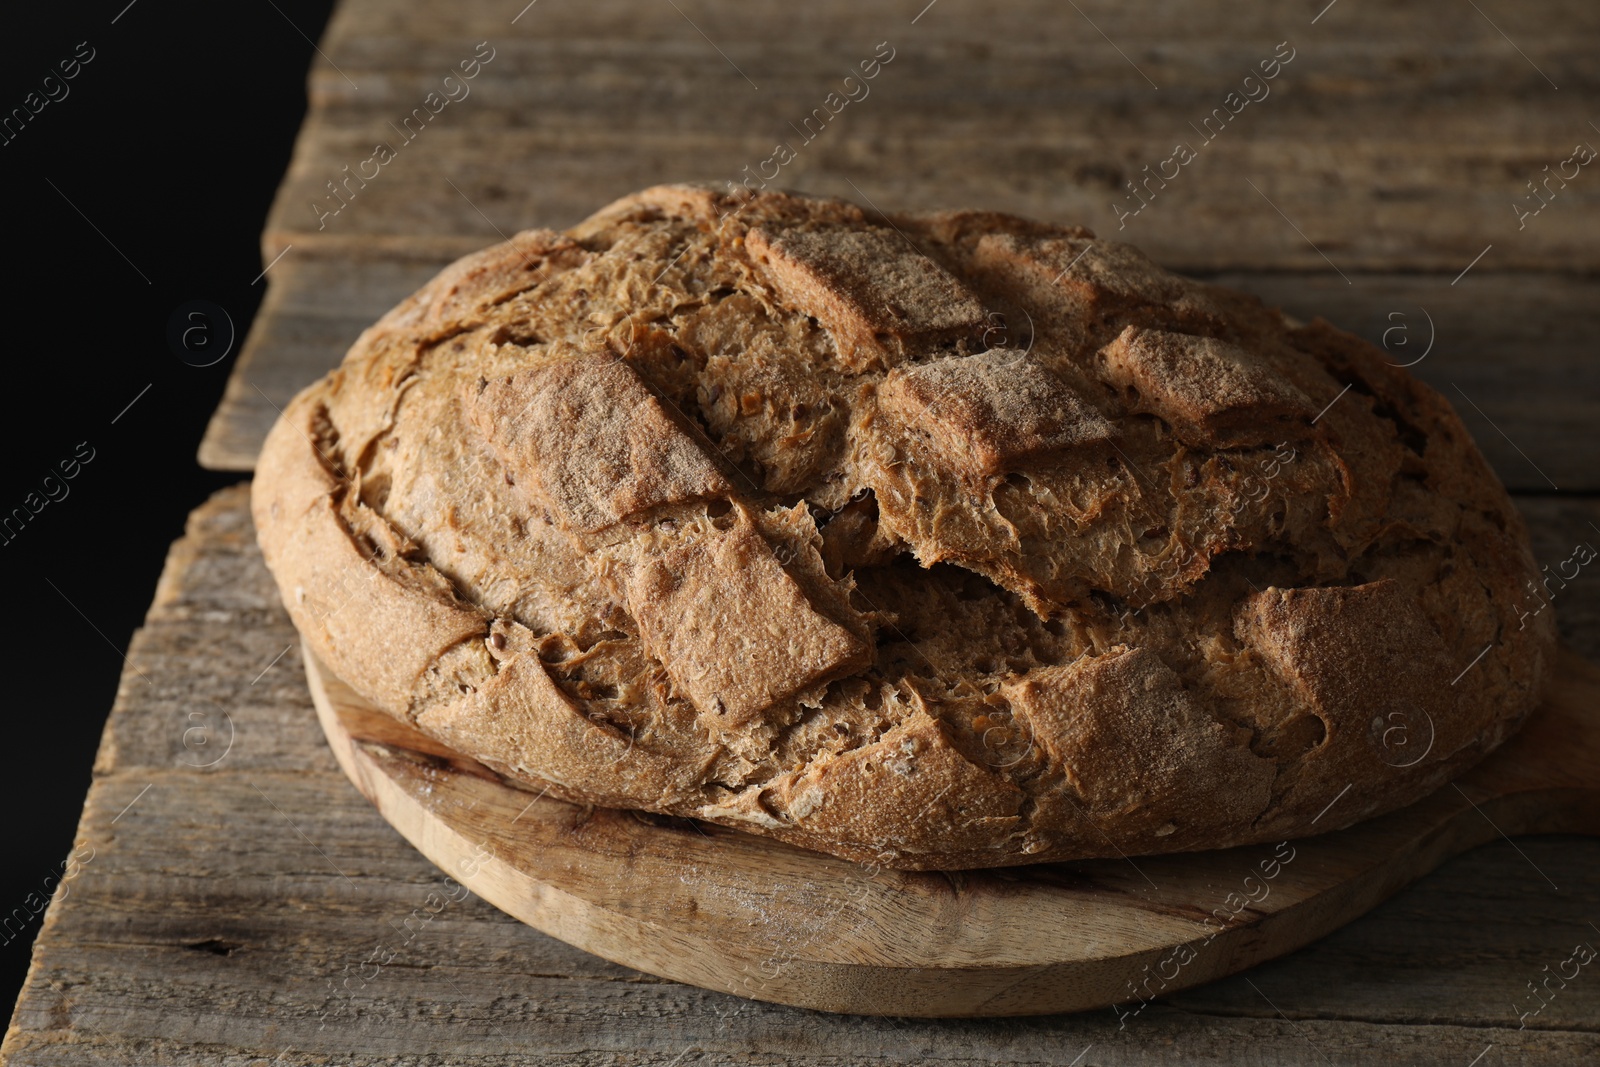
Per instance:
(939,541)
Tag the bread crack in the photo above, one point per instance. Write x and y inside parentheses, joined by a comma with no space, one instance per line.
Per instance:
(979,543)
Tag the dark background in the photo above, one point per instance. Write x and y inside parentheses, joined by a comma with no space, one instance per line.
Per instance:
(170,141)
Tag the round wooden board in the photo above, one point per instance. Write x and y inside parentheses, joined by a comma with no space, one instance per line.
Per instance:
(734,912)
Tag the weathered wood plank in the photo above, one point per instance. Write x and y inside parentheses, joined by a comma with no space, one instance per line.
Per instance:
(257,910)
(1370,204)
(1397,139)
(1419,49)
(1519,347)
(209,907)
(1546,28)
(207,904)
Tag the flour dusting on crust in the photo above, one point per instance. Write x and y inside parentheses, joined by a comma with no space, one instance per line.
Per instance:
(940,541)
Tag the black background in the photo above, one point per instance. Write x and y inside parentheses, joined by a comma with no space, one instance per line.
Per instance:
(170,141)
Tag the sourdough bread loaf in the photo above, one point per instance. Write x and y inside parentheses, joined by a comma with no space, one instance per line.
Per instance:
(937,541)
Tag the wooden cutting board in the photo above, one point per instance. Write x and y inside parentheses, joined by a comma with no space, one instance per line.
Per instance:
(734,912)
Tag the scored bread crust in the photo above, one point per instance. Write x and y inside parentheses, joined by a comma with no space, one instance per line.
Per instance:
(939,541)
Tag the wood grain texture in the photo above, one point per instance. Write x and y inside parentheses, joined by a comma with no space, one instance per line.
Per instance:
(1394,139)
(258,910)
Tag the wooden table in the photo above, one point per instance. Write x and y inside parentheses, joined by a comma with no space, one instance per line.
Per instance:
(235,901)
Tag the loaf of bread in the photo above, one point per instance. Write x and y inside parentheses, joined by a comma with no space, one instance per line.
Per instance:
(938,541)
